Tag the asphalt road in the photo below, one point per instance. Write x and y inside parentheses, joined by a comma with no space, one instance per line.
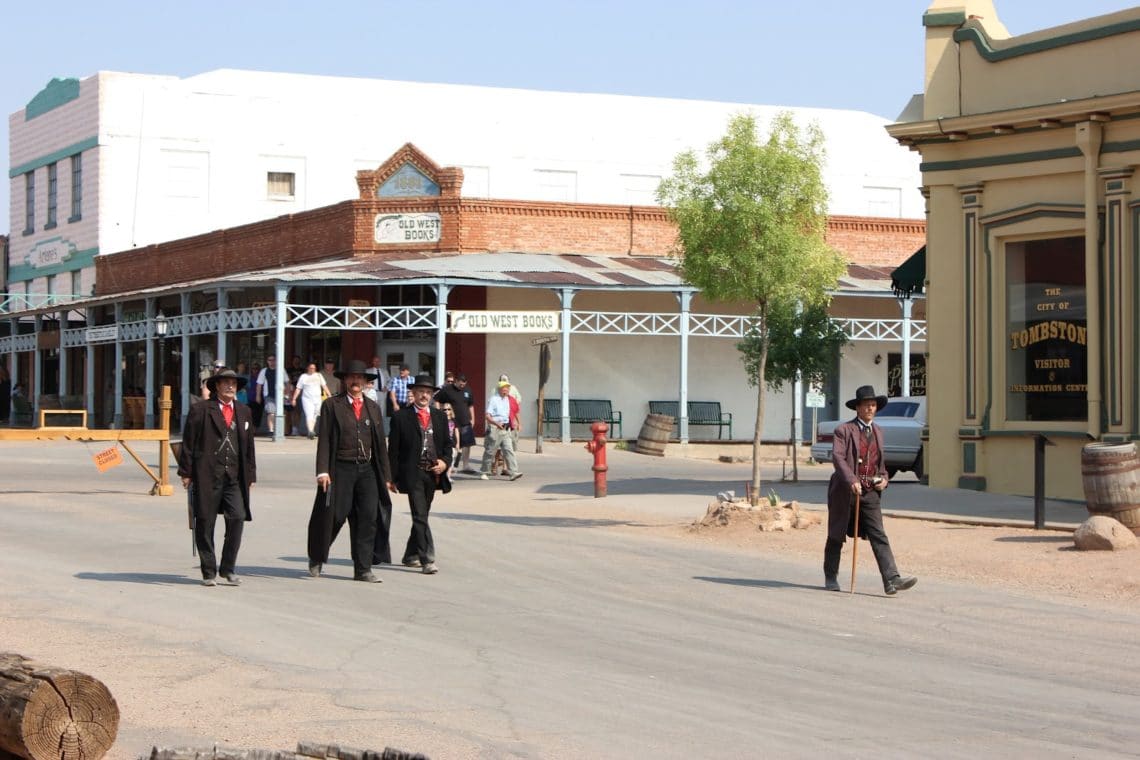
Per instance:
(555,628)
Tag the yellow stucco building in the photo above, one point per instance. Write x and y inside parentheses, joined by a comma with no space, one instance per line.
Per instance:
(1029,145)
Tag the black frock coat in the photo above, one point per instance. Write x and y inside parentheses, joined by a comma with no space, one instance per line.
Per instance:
(840,499)
(336,414)
(201,436)
(406,441)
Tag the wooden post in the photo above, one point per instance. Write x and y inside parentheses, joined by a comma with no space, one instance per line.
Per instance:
(48,712)
(163,486)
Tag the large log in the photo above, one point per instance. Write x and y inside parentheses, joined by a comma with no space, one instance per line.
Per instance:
(49,713)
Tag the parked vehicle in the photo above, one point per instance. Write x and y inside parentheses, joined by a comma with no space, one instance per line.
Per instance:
(902,421)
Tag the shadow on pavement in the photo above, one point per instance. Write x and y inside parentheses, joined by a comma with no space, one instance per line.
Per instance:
(545,522)
(152,578)
(1063,538)
(755,582)
(640,486)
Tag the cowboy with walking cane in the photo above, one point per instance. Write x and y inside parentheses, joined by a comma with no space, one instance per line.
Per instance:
(854,494)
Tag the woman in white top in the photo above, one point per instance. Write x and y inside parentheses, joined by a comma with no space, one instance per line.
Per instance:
(311,389)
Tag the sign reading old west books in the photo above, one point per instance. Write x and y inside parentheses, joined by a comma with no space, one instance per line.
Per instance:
(505,321)
(1046,340)
(408,228)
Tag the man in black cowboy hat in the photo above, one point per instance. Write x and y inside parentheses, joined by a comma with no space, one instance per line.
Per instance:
(420,450)
(352,470)
(857,453)
(217,459)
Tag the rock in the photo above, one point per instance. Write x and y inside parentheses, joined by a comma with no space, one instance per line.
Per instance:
(1104,533)
(726,496)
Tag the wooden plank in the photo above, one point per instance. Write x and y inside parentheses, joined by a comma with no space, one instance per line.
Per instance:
(82,434)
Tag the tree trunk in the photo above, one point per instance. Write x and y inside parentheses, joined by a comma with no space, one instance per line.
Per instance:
(761,363)
(48,712)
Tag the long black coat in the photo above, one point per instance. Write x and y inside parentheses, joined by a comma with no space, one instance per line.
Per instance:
(845,458)
(337,415)
(406,441)
(201,436)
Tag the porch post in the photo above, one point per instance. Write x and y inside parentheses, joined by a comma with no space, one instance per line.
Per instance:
(184,360)
(282,292)
(904,381)
(148,416)
(685,297)
(89,374)
(117,420)
(37,372)
(441,293)
(223,304)
(64,385)
(567,297)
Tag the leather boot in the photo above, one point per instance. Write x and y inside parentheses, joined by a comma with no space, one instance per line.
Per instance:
(832,551)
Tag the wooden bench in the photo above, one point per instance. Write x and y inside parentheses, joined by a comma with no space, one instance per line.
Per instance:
(21,411)
(583,411)
(702,413)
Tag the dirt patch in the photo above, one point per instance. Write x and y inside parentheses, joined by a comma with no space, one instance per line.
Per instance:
(1038,562)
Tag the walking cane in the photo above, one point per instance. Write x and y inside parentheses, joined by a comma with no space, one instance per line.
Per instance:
(855,548)
(190,516)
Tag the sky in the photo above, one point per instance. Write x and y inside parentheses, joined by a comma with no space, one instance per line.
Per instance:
(846,54)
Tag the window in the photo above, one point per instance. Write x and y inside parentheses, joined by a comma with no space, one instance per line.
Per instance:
(76,188)
(76,283)
(53,196)
(49,287)
(883,201)
(1046,342)
(640,189)
(281,185)
(556,185)
(29,203)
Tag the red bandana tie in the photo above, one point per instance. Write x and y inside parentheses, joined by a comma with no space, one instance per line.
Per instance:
(357,407)
(228,414)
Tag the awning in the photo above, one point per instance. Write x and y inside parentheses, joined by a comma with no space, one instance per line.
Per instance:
(909,276)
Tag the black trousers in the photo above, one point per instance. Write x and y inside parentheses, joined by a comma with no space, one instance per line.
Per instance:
(421,545)
(225,499)
(355,494)
(870,527)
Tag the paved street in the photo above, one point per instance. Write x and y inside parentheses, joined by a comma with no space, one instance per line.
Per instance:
(556,627)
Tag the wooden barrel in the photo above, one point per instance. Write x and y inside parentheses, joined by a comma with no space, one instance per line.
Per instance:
(654,435)
(1110,474)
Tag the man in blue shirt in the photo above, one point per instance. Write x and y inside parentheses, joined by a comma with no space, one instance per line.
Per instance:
(499,434)
(398,389)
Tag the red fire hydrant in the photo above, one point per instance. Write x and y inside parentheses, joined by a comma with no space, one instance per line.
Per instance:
(598,448)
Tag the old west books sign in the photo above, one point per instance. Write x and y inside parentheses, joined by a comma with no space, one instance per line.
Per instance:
(505,321)
(407,228)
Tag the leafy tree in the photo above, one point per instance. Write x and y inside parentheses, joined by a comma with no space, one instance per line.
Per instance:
(751,228)
(804,343)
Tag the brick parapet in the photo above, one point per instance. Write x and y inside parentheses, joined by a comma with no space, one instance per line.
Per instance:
(467,226)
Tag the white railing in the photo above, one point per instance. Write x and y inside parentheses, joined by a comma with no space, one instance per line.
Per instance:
(13,303)
(424,318)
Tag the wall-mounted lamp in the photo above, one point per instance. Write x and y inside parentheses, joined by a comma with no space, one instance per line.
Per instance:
(878,358)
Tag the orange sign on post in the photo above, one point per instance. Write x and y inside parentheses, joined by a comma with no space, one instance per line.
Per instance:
(107,459)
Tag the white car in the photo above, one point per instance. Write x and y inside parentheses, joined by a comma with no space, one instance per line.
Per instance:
(902,421)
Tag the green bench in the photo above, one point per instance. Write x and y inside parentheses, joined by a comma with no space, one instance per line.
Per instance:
(702,413)
(583,411)
(21,411)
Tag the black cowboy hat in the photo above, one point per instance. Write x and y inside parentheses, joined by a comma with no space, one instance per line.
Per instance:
(423,381)
(355,367)
(225,374)
(864,392)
